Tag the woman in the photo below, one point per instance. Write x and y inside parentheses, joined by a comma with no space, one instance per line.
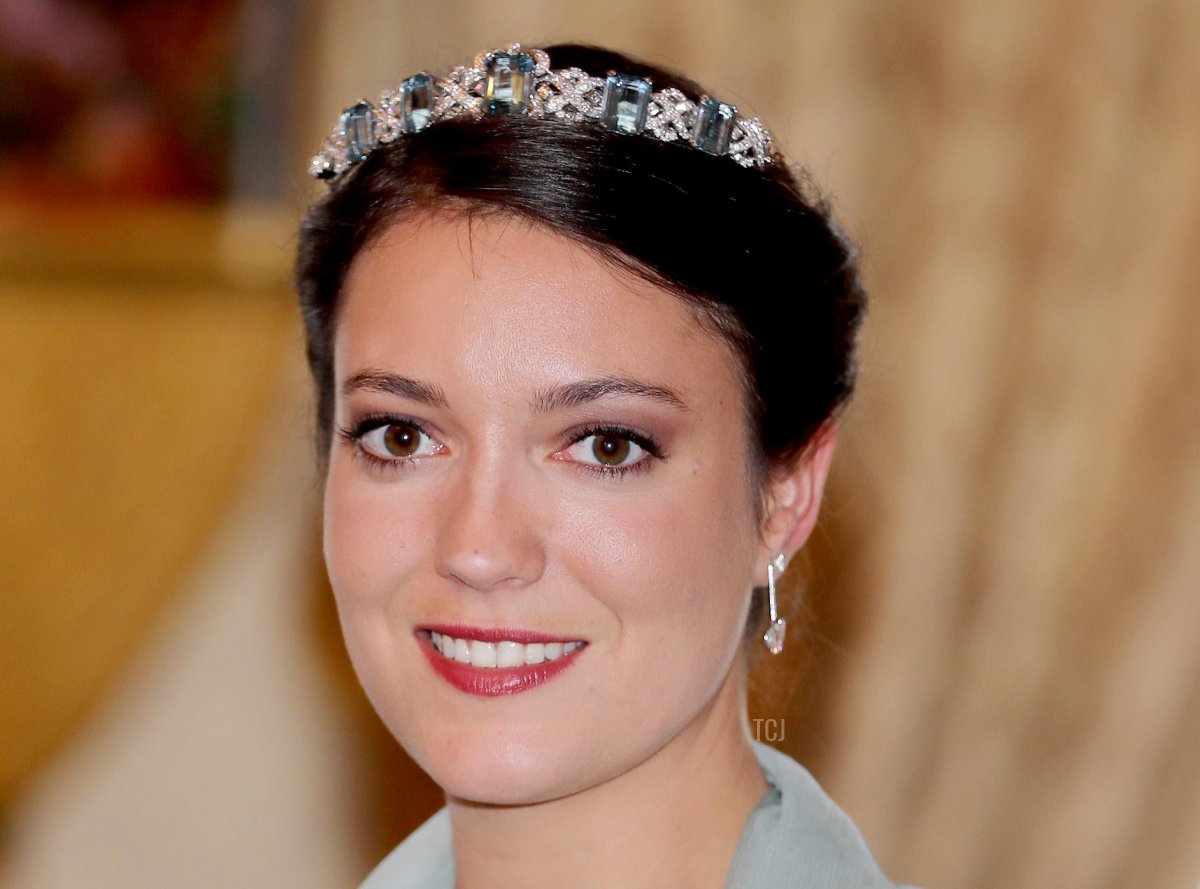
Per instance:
(579,339)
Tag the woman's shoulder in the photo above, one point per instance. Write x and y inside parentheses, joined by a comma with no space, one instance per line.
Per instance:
(799,837)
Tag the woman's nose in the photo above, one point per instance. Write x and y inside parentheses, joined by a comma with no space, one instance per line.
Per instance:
(488,539)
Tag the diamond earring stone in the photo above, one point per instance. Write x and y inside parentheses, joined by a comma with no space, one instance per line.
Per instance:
(774,636)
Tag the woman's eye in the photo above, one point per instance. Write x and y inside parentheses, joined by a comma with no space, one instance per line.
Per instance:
(609,449)
(398,441)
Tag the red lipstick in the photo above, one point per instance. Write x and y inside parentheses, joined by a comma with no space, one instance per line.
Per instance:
(494,681)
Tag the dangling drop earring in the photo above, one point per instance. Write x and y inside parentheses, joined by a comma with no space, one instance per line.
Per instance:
(773,637)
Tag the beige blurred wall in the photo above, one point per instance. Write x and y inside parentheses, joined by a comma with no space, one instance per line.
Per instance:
(1001,681)
(221,758)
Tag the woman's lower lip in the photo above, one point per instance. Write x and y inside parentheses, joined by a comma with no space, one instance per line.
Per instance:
(490,682)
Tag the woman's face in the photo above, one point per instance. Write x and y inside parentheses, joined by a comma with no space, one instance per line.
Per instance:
(535,450)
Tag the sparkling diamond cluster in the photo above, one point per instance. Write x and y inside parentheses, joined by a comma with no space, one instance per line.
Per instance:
(517,81)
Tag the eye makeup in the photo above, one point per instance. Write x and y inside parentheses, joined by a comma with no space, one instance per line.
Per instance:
(359,433)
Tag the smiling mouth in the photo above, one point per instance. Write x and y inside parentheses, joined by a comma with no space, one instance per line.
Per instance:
(499,653)
(494,662)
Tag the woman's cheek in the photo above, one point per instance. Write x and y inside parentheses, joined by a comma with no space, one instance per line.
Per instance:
(635,556)
(359,543)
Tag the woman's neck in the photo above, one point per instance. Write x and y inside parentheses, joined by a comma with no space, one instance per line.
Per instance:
(673,820)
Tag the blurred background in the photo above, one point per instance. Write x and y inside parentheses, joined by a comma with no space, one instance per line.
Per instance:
(999,676)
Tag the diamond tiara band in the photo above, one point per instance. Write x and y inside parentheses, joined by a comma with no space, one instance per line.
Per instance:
(518,81)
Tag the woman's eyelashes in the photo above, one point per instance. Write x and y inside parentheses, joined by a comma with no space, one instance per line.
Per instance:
(390,442)
(612,451)
(393,443)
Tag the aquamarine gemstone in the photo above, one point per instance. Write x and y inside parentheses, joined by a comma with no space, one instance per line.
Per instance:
(509,82)
(626,99)
(416,102)
(358,122)
(714,126)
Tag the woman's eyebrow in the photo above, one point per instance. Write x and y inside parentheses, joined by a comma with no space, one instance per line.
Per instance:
(372,380)
(583,391)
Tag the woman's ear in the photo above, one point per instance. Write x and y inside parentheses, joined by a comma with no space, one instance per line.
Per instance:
(794,498)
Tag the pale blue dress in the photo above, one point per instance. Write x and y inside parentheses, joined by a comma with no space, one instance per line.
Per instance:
(796,838)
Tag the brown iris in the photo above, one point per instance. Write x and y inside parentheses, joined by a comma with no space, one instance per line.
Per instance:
(401,439)
(611,450)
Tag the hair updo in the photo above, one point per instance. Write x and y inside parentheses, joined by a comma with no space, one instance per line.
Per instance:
(755,250)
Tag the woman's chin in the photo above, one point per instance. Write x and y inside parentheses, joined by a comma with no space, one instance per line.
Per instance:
(501,774)
(499,786)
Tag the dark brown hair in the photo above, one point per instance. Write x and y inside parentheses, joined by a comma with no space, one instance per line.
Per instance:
(756,250)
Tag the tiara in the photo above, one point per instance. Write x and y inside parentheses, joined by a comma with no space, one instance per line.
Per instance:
(515,80)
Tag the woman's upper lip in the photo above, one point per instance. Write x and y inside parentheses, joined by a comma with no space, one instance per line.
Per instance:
(497,634)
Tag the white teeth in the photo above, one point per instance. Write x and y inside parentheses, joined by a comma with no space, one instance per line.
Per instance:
(490,655)
(483,654)
(510,654)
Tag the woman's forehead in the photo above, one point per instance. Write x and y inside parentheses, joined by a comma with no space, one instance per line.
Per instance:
(516,304)
(478,253)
